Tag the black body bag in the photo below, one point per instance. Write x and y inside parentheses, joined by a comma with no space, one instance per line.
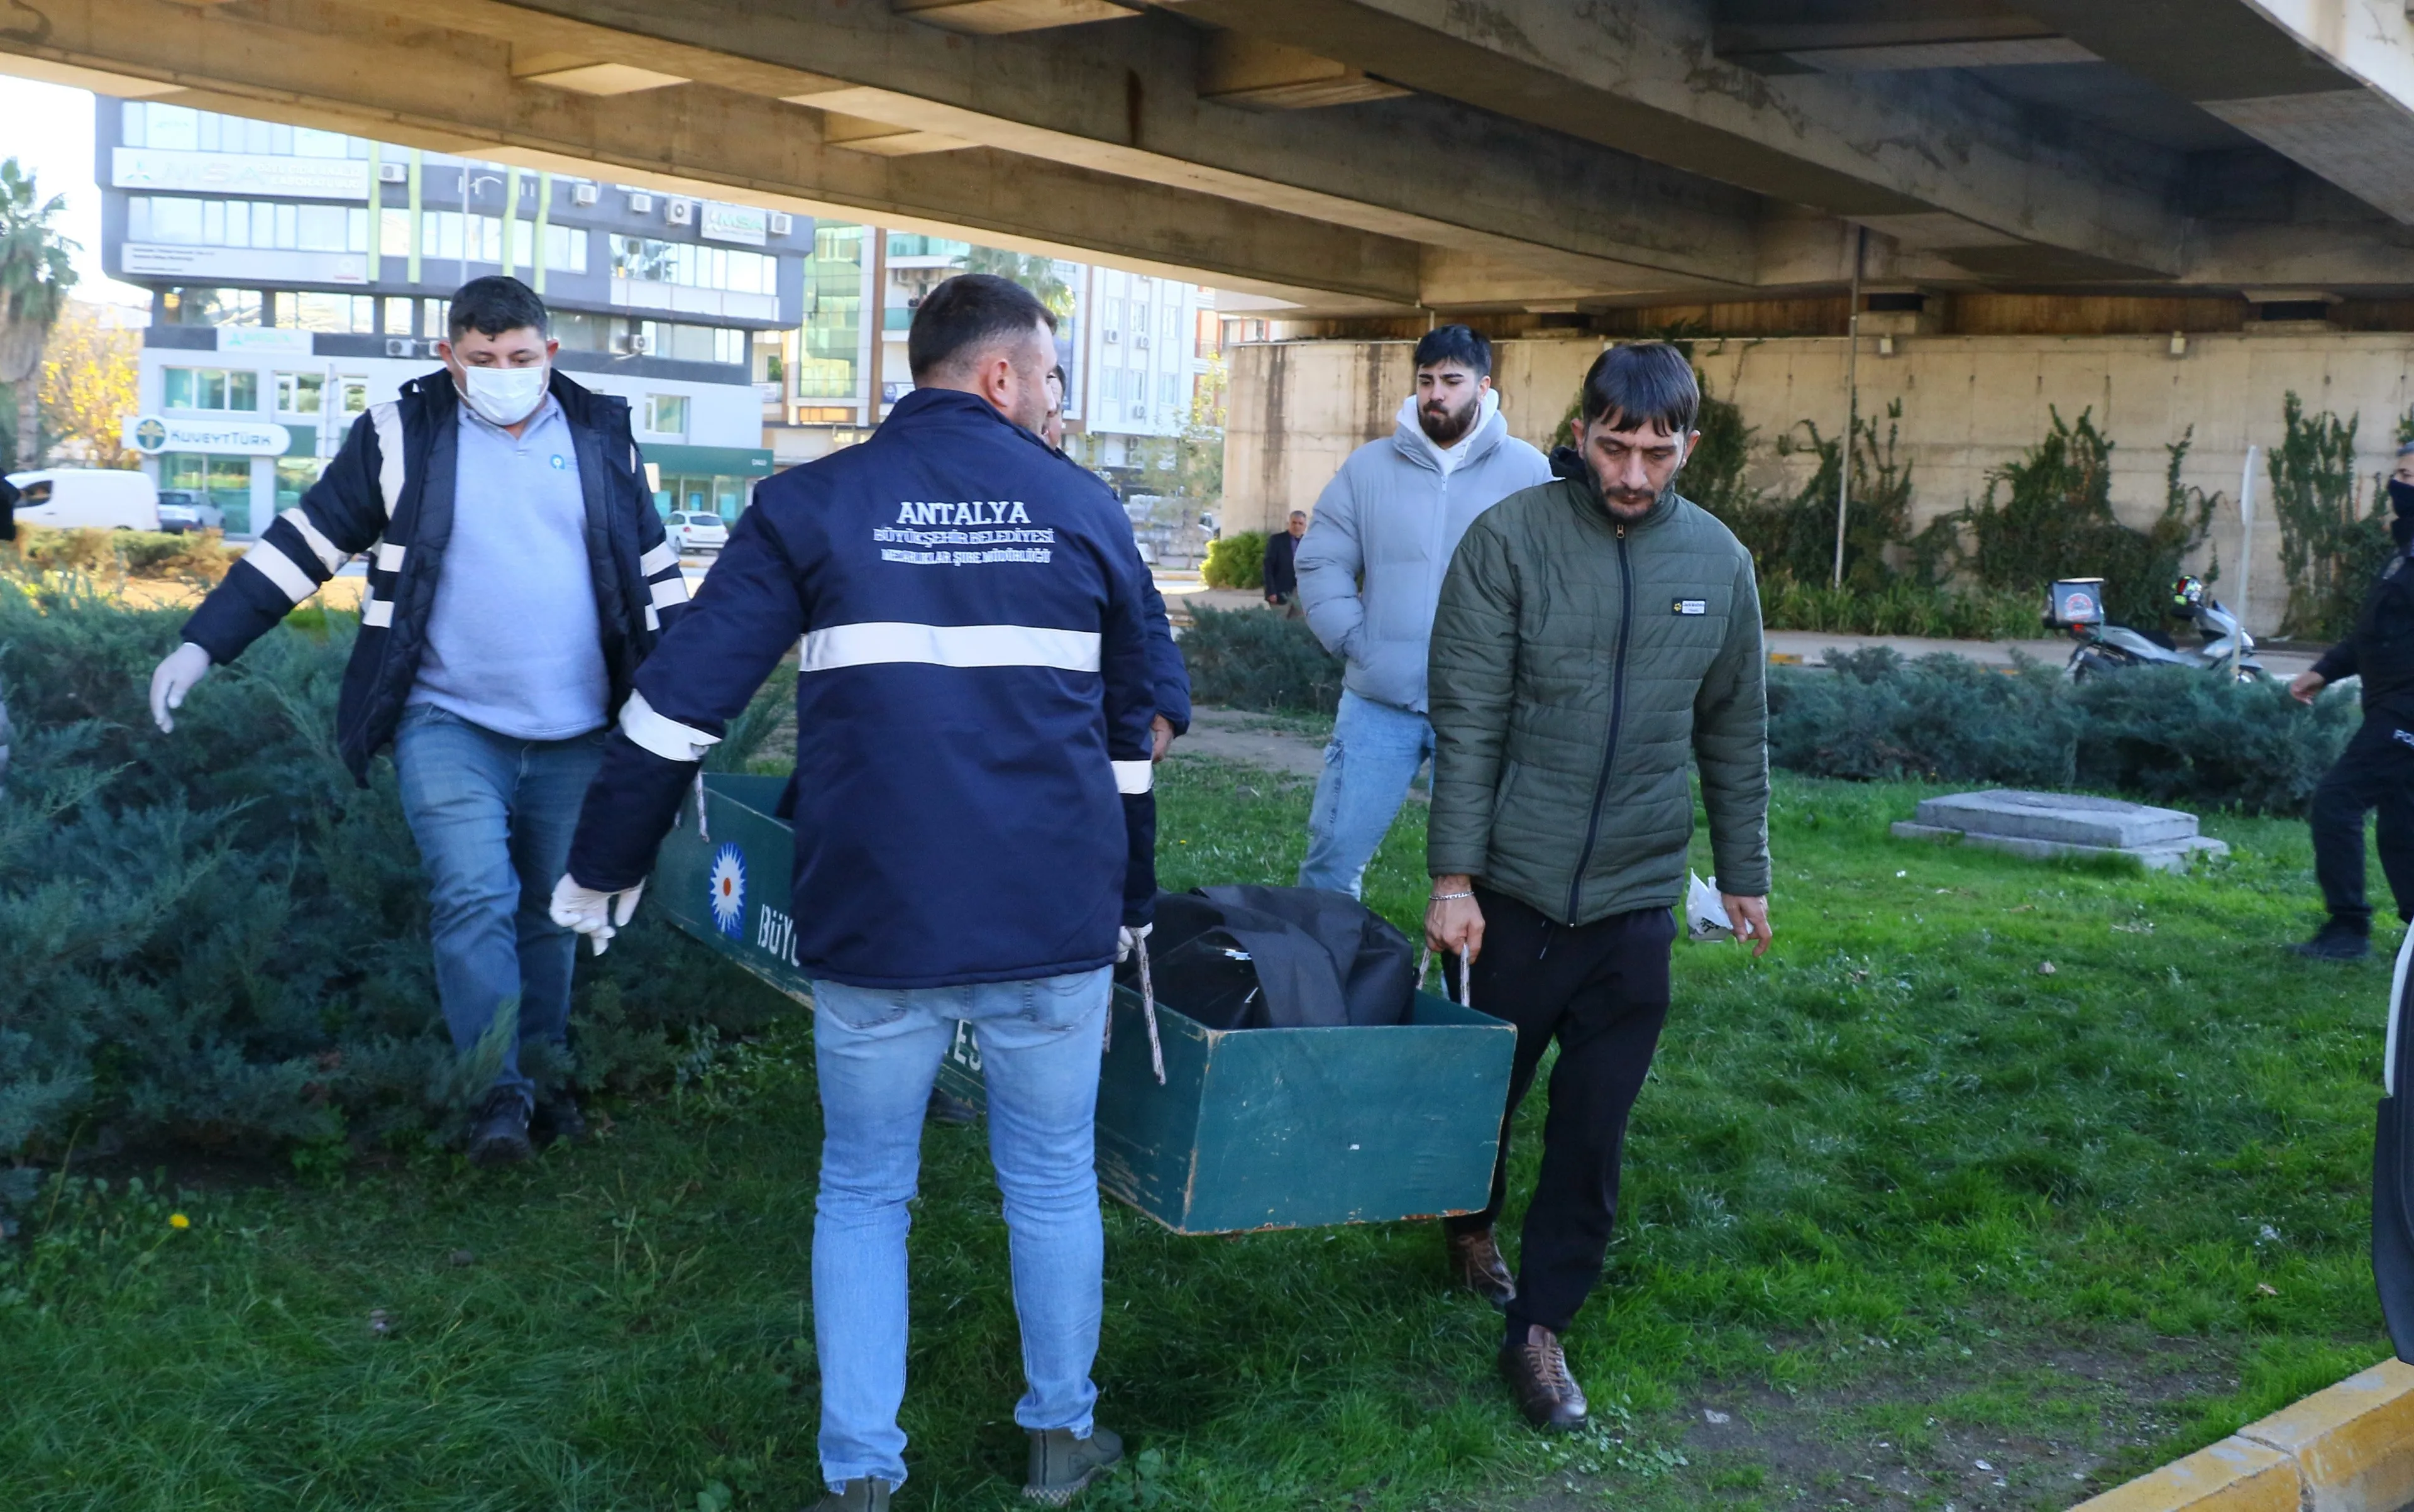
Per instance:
(1277,958)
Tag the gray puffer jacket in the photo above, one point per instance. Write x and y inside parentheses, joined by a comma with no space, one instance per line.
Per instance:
(1389,520)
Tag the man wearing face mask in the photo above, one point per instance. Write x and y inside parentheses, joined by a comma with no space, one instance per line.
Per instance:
(2376,768)
(1369,570)
(1594,634)
(518,575)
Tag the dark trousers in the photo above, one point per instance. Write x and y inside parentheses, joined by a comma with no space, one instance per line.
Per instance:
(1602,991)
(2374,771)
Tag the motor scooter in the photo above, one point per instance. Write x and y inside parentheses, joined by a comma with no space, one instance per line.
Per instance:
(2224,648)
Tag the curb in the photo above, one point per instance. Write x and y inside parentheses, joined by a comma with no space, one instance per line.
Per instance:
(2348,1448)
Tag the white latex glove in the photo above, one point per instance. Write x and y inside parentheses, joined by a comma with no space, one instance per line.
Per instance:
(175,678)
(1127,938)
(591,913)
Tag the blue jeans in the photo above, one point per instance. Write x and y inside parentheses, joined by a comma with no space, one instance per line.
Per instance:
(877,1053)
(1375,754)
(493,818)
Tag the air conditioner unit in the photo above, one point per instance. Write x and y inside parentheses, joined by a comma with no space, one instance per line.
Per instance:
(399,346)
(1140,412)
(781,223)
(638,343)
(679,212)
(641,204)
(583,194)
(1140,342)
(393,173)
(1113,336)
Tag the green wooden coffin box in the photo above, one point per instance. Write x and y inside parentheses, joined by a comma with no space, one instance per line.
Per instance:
(1253,1129)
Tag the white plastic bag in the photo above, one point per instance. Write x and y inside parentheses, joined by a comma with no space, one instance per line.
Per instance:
(1705,917)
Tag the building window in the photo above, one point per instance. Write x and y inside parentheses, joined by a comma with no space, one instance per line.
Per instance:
(908,243)
(692,343)
(170,220)
(401,317)
(299,393)
(1207,337)
(341,313)
(565,249)
(695,265)
(209,388)
(181,129)
(294,476)
(1168,389)
(666,414)
(210,307)
(226,481)
(833,314)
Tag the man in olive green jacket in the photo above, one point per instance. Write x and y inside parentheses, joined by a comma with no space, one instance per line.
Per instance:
(1594,632)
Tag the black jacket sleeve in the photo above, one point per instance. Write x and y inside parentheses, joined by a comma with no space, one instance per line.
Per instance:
(8,497)
(342,515)
(1167,673)
(699,678)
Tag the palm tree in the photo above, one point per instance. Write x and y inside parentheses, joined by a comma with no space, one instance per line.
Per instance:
(35,277)
(1034,273)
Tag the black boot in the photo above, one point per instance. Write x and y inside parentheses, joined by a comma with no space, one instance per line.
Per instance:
(2336,941)
(500,1136)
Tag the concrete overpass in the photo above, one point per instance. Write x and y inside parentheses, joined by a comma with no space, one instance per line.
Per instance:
(1362,158)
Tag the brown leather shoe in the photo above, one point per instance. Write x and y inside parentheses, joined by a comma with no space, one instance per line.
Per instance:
(1475,1264)
(1537,1372)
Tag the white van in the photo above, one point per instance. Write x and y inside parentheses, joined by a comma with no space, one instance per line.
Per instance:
(87,498)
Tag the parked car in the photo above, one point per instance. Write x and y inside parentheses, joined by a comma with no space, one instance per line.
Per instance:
(696,531)
(180,511)
(87,498)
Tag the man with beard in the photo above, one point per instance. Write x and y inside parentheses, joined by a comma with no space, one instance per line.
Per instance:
(2376,768)
(1593,633)
(1370,570)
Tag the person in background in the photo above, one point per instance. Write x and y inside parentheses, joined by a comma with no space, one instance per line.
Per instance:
(1370,568)
(2376,768)
(1281,573)
(519,577)
(1595,636)
(975,824)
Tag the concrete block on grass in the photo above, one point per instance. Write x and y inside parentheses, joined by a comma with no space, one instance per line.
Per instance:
(2063,824)
(2353,1442)
(2234,1475)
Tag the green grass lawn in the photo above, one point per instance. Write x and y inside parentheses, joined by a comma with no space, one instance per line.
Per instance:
(1897,1204)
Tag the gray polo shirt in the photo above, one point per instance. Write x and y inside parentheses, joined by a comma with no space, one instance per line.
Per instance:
(513,643)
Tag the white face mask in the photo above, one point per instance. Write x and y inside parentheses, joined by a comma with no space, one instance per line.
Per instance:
(505,395)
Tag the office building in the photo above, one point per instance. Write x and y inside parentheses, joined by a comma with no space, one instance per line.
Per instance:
(299,276)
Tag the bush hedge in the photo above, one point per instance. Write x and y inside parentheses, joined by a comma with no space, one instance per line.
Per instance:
(2163,734)
(1900,608)
(1235,560)
(201,556)
(216,936)
(1257,660)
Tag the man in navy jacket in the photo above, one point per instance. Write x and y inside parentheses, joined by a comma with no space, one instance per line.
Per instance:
(518,575)
(974,825)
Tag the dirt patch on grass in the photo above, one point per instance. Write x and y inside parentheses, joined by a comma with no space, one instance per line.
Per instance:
(2018,1431)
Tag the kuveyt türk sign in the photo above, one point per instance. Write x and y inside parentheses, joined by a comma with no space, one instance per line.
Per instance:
(152,434)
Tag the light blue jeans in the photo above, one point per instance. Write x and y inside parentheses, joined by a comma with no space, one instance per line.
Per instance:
(492,816)
(877,1053)
(1373,755)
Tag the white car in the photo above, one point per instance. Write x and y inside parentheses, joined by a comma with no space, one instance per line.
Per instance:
(88,498)
(695,530)
(180,511)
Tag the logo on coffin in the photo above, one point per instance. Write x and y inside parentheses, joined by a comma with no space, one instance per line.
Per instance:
(727,888)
